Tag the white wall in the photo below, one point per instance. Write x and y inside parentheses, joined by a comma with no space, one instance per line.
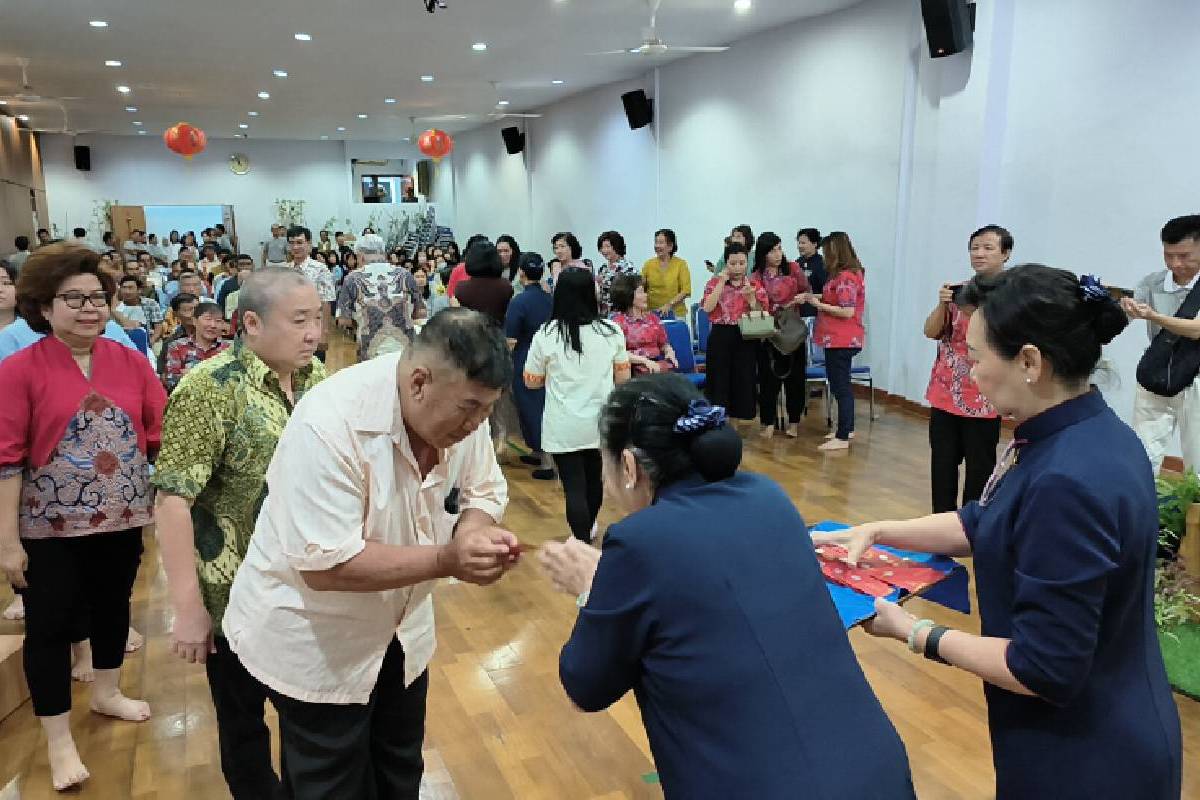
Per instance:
(139,170)
(1072,123)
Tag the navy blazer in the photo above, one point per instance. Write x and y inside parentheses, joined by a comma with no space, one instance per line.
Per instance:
(1064,567)
(710,606)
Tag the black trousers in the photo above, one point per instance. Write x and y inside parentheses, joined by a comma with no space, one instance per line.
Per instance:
(583,485)
(952,440)
(776,370)
(357,752)
(730,371)
(837,369)
(76,583)
(245,739)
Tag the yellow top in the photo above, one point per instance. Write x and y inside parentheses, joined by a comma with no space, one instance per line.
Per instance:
(665,284)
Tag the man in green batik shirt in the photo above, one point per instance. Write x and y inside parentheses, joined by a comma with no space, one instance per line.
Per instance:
(219,433)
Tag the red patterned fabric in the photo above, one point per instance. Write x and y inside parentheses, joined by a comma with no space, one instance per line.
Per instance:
(732,305)
(781,288)
(846,290)
(644,336)
(858,579)
(950,386)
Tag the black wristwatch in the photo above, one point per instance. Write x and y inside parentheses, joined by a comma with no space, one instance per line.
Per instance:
(932,641)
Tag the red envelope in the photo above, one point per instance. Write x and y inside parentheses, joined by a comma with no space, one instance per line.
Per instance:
(860,580)
(882,566)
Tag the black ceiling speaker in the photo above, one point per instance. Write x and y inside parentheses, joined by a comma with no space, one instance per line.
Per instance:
(514,140)
(83,157)
(949,26)
(639,109)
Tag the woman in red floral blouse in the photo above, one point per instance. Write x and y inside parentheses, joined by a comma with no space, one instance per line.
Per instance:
(645,336)
(785,285)
(730,379)
(963,425)
(840,328)
(80,416)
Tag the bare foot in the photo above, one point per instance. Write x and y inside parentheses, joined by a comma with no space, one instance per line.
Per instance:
(66,768)
(134,641)
(119,706)
(16,609)
(81,662)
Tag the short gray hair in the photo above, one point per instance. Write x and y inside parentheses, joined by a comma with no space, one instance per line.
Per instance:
(261,289)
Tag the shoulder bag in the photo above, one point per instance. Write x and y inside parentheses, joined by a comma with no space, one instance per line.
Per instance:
(1171,362)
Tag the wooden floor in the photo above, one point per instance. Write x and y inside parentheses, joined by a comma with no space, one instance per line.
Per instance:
(499,725)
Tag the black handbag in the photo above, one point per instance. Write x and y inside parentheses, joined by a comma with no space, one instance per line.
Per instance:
(791,331)
(1171,362)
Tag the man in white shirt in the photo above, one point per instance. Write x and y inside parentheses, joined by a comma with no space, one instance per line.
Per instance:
(276,250)
(136,242)
(1157,299)
(299,242)
(17,260)
(383,481)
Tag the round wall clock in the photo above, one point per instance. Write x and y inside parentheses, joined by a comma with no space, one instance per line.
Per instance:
(239,163)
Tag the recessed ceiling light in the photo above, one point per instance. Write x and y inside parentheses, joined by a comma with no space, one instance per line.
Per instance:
(279,73)
(502,103)
(362,116)
(406,139)
(324,137)
(239,136)
(98,23)
(634,51)
(137,122)
(389,100)
(742,6)
(303,37)
(427,78)
(131,109)
(142,133)
(558,83)
(23,117)
(341,130)
(251,113)
(112,62)
(264,95)
(243,125)
(123,89)
(479,47)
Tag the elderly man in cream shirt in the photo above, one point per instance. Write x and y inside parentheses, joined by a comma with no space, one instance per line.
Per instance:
(383,481)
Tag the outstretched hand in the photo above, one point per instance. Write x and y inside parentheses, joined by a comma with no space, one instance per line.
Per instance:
(570,565)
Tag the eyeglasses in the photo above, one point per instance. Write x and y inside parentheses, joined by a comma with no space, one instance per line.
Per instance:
(74,300)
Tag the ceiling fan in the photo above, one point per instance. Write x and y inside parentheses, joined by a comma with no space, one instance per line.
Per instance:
(27,95)
(652,45)
(472,117)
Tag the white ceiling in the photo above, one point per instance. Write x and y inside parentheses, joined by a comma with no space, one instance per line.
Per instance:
(205,62)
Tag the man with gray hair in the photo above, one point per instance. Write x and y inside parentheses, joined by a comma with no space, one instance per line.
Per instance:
(384,481)
(219,432)
(381,299)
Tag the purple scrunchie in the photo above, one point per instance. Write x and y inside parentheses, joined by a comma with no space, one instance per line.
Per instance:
(1092,290)
(700,416)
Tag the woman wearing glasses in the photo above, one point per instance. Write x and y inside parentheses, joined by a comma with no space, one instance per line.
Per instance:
(723,630)
(1064,541)
(79,418)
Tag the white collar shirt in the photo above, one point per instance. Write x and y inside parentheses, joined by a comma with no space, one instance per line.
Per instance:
(344,473)
(1170,286)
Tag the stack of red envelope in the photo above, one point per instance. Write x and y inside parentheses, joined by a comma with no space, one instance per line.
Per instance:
(877,571)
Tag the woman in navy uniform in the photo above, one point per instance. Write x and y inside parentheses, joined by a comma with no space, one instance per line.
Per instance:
(724,630)
(1064,542)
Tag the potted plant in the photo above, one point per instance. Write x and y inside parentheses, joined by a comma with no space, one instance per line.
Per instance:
(1176,588)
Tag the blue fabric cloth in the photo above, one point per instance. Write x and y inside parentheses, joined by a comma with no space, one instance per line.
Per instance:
(528,311)
(725,633)
(854,607)
(18,335)
(1064,567)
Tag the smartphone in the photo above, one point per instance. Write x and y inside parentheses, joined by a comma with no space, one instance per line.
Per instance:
(1116,292)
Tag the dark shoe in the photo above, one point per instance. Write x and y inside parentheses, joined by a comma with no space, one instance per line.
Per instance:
(532,461)
(543,474)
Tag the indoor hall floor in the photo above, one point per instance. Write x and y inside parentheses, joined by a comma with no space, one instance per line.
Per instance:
(499,725)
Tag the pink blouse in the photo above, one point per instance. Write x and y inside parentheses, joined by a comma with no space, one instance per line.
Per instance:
(81,443)
(781,288)
(950,386)
(846,290)
(732,305)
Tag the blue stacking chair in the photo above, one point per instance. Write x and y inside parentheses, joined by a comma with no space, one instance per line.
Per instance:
(702,327)
(140,339)
(862,375)
(815,373)
(681,342)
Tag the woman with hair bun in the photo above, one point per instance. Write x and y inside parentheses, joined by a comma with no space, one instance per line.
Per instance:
(1064,541)
(724,630)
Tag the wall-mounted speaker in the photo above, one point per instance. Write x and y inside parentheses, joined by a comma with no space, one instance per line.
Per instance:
(83,157)
(949,26)
(639,109)
(514,140)
(425,179)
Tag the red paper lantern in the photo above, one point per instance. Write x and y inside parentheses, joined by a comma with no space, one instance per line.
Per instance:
(435,144)
(185,139)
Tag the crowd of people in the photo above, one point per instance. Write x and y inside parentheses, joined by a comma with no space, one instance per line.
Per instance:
(310,588)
